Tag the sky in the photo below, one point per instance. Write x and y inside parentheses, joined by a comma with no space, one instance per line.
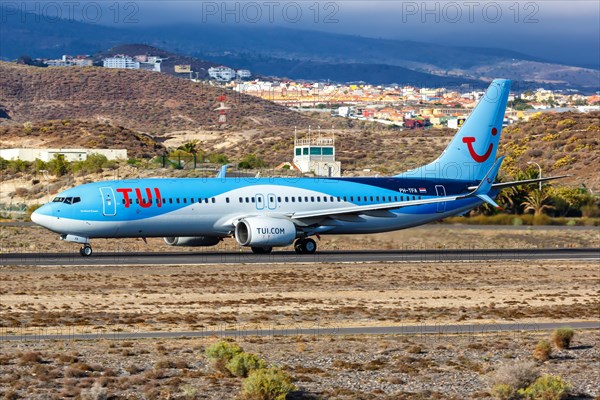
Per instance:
(550,29)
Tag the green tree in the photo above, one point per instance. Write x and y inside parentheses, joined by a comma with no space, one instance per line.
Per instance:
(538,202)
(251,161)
(58,165)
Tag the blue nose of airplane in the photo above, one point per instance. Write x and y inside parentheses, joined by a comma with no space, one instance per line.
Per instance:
(42,215)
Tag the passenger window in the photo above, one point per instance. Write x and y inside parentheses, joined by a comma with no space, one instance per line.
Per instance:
(241,200)
(351,198)
(213,200)
(318,199)
(325,199)
(206,200)
(395,198)
(377,198)
(293,199)
(123,201)
(253,199)
(278,199)
(177,200)
(137,201)
(227,200)
(185,200)
(287,199)
(171,201)
(312,199)
(299,199)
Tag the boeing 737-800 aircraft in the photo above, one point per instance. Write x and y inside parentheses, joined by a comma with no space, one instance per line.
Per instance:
(263,213)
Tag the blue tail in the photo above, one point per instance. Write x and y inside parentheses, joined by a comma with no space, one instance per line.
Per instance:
(472,151)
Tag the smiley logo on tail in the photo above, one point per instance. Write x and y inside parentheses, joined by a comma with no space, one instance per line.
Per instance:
(469,140)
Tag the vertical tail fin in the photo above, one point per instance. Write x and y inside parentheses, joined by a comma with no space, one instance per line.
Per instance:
(472,151)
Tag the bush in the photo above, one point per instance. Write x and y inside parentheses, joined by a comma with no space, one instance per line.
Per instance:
(515,376)
(221,353)
(244,363)
(267,384)
(562,337)
(543,351)
(503,391)
(547,387)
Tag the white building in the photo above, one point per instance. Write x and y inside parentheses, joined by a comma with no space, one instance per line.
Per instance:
(68,61)
(121,61)
(243,74)
(69,154)
(222,73)
(317,155)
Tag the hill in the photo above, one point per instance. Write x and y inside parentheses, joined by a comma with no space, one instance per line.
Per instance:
(146,101)
(269,50)
(562,143)
(84,134)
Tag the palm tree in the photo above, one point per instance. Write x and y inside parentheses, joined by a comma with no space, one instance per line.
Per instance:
(537,201)
(191,147)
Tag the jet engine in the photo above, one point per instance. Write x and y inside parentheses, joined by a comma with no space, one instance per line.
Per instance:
(265,232)
(192,241)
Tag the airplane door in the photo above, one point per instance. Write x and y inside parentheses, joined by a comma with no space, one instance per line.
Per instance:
(260,202)
(271,201)
(441,192)
(109,204)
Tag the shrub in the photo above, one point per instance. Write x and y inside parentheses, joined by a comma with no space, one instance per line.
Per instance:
(503,391)
(221,353)
(547,387)
(562,337)
(267,384)
(31,357)
(543,351)
(244,363)
(516,376)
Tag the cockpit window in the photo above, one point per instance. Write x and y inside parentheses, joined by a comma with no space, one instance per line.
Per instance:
(67,200)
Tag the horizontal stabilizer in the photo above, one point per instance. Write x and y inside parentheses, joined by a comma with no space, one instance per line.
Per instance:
(502,185)
(488,200)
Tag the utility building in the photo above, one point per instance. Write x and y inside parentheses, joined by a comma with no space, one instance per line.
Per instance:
(316,155)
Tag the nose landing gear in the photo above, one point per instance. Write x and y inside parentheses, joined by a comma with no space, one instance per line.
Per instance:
(305,246)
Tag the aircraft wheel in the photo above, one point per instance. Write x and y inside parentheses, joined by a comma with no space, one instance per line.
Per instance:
(308,246)
(298,246)
(262,250)
(86,250)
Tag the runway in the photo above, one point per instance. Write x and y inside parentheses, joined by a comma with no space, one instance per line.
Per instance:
(236,331)
(287,257)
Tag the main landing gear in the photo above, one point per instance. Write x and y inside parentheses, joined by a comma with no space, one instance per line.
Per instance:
(305,246)
(86,250)
(262,250)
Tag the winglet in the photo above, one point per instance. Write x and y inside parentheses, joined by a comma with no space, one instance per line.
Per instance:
(223,171)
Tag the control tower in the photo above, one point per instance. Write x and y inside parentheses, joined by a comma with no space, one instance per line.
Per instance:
(316,154)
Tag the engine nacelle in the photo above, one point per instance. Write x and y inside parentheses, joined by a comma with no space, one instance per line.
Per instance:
(265,232)
(192,241)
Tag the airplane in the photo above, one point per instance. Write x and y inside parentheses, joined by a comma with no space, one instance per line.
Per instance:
(263,213)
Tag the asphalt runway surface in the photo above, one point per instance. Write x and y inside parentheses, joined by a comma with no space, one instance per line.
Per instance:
(287,257)
(234,331)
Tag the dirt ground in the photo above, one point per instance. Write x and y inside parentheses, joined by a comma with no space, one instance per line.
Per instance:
(215,297)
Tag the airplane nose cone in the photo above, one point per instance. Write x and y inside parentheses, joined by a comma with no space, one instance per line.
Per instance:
(41,214)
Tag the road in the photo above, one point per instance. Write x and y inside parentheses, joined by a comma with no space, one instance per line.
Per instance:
(66,333)
(287,257)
